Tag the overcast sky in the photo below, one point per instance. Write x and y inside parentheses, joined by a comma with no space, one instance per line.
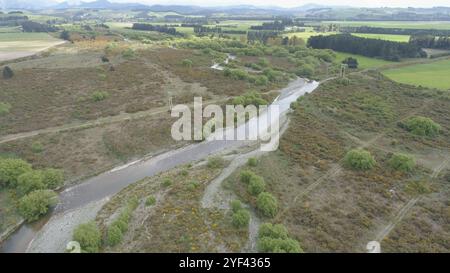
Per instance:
(294,3)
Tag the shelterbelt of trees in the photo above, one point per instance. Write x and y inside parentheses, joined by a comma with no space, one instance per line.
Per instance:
(377,48)
(397,31)
(431,41)
(157,28)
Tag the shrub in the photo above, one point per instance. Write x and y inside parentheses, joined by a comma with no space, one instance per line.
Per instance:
(249,98)
(114,235)
(128,53)
(4,108)
(30,181)
(35,204)
(235,205)
(187,63)
(7,72)
(167,182)
(422,126)
(65,35)
(275,239)
(151,200)
(359,159)
(261,80)
(418,187)
(100,95)
(11,169)
(256,185)
(246,175)
(215,162)
(192,186)
(304,71)
(252,162)
(53,178)
(37,147)
(402,162)
(241,218)
(122,223)
(88,236)
(275,245)
(267,204)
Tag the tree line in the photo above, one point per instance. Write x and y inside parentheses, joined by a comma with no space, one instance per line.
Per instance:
(157,28)
(397,31)
(377,48)
(430,41)
(30,26)
(203,30)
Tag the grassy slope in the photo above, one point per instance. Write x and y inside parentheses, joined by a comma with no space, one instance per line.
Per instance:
(387,37)
(434,75)
(396,24)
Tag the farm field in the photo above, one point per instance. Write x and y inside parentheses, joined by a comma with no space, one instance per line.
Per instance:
(364,62)
(433,75)
(387,37)
(18,45)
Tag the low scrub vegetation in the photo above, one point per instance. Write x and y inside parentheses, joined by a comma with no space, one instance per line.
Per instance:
(359,159)
(35,204)
(422,126)
(275,239)
(402,162)
(4,108)
(88,236)
(267,204)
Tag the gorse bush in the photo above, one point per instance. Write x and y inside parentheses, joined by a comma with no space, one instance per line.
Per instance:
(35,204)
(4,108)
(114,235)
(246,175)
(37,147)
(150,201)
(30,181)
(88,236)
(402,162)
(241,218)
(11,169)
(187,63)
(215,162)
(250,98)
(359,159)
(235,205)
(275,239)
(422,126)
(99,95)
(256,185)
(52,178)
(252,162)
(267,204)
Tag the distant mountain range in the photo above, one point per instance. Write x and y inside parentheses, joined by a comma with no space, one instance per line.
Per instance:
(105,4)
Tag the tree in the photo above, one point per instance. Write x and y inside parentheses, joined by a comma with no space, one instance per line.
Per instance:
(241,218)
(256,185)
(359,159)
(351,62)
(7,72)
(88,236)
(30,181)
(35,204)
(267,204)
(65,35)
(402,162)
(11,169)
(52,178)
(235,205)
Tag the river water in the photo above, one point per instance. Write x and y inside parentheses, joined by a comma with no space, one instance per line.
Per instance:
(111,182)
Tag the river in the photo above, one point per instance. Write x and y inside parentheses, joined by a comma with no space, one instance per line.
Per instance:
(111,182)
